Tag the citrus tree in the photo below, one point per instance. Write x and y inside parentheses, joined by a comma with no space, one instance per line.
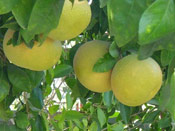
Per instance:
(106,65)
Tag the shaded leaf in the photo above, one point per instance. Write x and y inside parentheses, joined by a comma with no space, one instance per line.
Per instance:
(151,116)
(125,113)
(108,96)
(19,79)
(62,70)
(36,98)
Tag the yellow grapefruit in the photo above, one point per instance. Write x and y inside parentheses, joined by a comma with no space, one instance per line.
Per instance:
(134,81)
(38,58)
(84,60)
(73,20)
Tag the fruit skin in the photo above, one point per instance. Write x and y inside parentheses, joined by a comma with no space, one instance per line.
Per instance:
(84,60)
(40,57)
(135,82)
(73,20)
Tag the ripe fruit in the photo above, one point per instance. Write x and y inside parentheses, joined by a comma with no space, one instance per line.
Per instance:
(84,60)
(135,82)
(73,20)
(38,58)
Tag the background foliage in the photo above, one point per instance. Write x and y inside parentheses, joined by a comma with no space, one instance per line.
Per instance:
(146,27)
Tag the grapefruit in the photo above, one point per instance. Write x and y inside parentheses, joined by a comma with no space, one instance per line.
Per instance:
(40,57)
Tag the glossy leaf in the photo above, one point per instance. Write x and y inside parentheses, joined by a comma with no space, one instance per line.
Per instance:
(47,14)
(157,21)
(124,17)
(22,12)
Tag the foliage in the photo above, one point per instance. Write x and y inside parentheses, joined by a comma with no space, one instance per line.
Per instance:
(27,98)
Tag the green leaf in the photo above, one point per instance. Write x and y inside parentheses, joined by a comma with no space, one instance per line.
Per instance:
(44,17)
(151,116)
(103,3)
(124,16)
(45,121)
(37,124)
(166,57)
(171,102)
(22,12)
(113,50)
(35,77)
(72,115)
(58,94)
(69,101)
(93,126)
(22,120)
(5,114)
(19,79)
(78,123)
(36,98)
(6,127)
(166,42)
(164,122)
(118,126)
(7,5)
(53,109)
(108,96)
(125,112)
(104,64)
(101,117)
(62,70)
(4,89)
(157,21)
(73,51)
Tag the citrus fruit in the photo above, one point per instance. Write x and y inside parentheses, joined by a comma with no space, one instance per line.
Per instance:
(134,81)
(85,58)
(40,57)
(73,20)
